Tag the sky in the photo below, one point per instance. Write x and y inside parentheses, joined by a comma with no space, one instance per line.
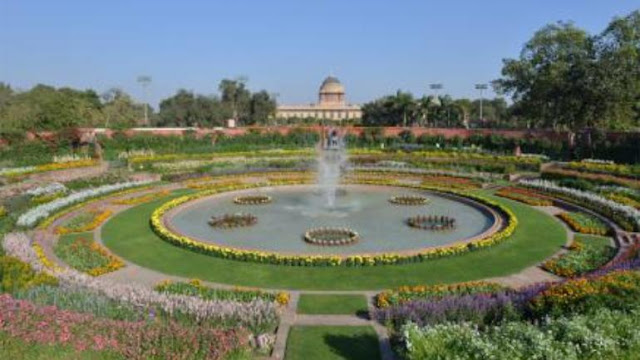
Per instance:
(284,46)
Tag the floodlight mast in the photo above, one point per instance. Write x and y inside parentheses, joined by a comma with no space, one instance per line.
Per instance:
(145,80)
(481,87)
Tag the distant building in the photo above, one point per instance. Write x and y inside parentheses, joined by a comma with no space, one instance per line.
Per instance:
(331,105)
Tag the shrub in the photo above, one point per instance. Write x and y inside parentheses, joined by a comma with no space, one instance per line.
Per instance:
(17,275)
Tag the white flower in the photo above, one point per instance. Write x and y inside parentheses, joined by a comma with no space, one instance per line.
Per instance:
(52,188)
(31,217)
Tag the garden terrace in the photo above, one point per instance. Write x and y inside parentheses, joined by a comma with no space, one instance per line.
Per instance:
(503,251)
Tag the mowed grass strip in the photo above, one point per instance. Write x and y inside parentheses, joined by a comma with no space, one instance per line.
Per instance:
(332,304)
(537,237)
(332,342)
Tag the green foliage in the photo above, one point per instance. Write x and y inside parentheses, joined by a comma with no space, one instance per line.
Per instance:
(568,79)
(83,301)
(588,253)
(235,101)
(195,288)
(604,334)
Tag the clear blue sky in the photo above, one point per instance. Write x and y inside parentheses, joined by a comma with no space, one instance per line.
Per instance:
(284,46)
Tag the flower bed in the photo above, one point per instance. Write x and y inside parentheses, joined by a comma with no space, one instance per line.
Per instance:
(425,292)
(210,156)
(583,257)
(84,222)
(432,222)
(604,335)
(195,288)
(16,275)
(252,200)
(258,315)
(625,216)
(615,289)
(86,255)
(139,339)
(322,260)
(584,223)
(599,178)
(605,168)
(331,236)
(412,200)
(142,198)
(13,172)
(52,188)
(230,221)
(623,199)
(524,196)
(33,216)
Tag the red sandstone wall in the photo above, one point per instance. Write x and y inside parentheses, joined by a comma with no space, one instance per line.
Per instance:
(387,131)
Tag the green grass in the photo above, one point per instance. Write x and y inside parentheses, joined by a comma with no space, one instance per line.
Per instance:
(15,348)
(332,342)
(537,237)
(332,304)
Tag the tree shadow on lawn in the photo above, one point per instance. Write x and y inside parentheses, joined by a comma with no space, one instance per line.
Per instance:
(354,347)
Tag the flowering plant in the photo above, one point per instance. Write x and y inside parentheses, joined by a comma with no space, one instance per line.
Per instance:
(258,315)
(33,216)
(626,216)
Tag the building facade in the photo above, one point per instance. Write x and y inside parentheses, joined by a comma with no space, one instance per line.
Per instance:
(331,105)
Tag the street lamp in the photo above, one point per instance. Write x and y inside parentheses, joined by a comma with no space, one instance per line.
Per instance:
(145,80)
(481,87)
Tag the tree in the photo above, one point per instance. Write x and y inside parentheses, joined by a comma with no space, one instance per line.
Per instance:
(262,107)
(236,97)
(119,109)
(617,76)
(548,81)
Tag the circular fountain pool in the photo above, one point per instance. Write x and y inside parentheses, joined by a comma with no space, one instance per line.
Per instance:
(381,226)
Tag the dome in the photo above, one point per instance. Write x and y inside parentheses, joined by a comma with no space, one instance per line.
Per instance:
(331,85)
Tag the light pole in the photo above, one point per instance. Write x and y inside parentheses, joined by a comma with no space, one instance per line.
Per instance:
(481,87)
(145,80)
(436,88)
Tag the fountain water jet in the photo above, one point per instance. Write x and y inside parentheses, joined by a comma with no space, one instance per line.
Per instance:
(331,159)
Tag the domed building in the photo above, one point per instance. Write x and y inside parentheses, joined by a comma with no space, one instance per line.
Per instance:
(331,105)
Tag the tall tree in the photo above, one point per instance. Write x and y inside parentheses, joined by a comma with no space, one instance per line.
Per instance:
(548,80)
(237,97)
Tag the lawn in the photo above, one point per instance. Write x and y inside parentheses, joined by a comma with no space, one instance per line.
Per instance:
(332,304)
(537,237)
(332,342)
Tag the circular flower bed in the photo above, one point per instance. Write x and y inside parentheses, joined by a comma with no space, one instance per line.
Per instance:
(409,200)
(432,222)
(252,200)
(331,236)
(229,221)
